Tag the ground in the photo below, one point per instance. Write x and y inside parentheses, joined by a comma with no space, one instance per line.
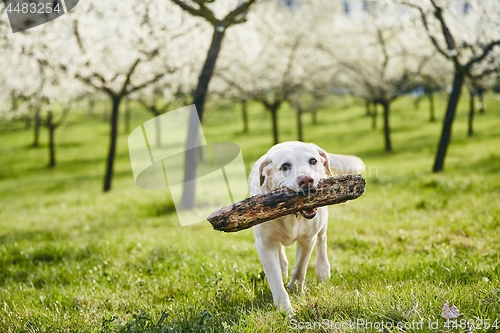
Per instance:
(73,259)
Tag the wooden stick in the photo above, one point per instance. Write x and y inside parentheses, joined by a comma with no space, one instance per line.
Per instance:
(280,202)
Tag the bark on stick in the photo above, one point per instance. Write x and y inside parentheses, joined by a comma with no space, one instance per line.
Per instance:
(280,202)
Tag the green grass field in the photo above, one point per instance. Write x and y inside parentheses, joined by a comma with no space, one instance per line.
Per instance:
(73,259)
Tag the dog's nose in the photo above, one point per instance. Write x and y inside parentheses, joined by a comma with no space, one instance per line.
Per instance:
(305,181)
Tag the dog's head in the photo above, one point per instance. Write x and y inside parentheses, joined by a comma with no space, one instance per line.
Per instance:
(295,165)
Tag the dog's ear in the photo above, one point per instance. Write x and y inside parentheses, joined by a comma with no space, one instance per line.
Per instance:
(264,168)
(326,163)
(346,164)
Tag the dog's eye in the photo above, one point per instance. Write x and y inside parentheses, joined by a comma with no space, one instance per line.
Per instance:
(285,167)
(312,161)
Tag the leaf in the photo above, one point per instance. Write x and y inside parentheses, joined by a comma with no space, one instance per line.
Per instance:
(450,311)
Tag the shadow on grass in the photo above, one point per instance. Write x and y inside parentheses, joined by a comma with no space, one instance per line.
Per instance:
(158,208)
(23,266)
(490,164)
(228,311)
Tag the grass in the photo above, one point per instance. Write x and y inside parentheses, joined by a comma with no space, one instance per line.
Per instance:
(73,259)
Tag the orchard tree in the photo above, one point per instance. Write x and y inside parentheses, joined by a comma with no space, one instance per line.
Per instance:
(4,94)
(226,96)
(175,89)
(312,71)
(375,58)
(477,88)
(469,37)
(159,100)
(203,9)
(51,123)
(21,70)
(123,56)
(433,75)
(33,77)
(61,94)
(181,62)
(274,59)
(309,100)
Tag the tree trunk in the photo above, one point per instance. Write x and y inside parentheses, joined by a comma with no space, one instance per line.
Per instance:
(13,101)
(374,116)
(127,115)
(387,129)
(52,147)
(274,117)
(158,129)
(458,81)
(190,160)
(300,124)
(207,71)
(244,115)
(27,122)
(37,123)
(91,107)
(480,97)
(432,117)
(470,131)
(108,177)
(416,103)
(367,108)
(315,117)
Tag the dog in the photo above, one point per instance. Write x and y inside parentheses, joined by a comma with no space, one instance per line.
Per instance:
(297,166)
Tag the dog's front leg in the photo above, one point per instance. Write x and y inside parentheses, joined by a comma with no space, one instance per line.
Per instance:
(283,262)
(304,249)
(269,254)
(322,264)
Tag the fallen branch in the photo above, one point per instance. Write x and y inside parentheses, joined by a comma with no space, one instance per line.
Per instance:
(280,202)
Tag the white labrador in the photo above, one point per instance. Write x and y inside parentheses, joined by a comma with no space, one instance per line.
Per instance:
(297,166)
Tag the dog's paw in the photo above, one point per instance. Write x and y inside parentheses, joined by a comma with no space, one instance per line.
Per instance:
(284,306)
(286,312)
(295,286)
(323,272)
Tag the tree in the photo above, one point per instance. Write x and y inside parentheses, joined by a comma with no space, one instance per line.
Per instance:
(468,40)
(477,88)
(125,58)
(433,75)
(173,90)
(60,93)
(472,92)
(236,16)
(274,59)
(52,125)
(310,100)
(22,72)
(244,115)
(99,82)
(39,84)
(156,104)
(268,84)
(375,60)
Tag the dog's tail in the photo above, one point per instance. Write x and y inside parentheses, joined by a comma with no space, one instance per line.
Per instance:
(345,164)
